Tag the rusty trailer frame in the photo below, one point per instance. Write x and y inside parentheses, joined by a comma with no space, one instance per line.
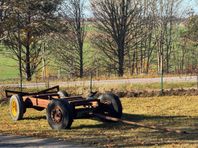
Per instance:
(62,109)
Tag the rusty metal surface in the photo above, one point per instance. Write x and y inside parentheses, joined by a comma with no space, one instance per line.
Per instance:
(84,102)
(51,90)
(37,102)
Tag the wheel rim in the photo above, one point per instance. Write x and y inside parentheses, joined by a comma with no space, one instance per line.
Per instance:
(56,115)
(14,108)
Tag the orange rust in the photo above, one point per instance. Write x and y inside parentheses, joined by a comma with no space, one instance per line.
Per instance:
(56,97)
(38,102)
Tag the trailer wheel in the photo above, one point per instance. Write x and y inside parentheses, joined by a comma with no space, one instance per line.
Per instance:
(17,108)
(59,114)
(110,105)
(62,94)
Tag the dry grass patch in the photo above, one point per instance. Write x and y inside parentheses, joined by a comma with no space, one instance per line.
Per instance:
(173,112)
(128,87)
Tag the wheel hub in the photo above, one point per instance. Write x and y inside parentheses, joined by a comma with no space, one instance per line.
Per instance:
(14,108)
(56,115)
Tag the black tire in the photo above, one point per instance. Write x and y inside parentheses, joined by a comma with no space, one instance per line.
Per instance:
(63,94)
(28,104)
(17,108)
(59,114)
(110,105)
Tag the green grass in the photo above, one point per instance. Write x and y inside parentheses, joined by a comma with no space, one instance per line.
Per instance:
(8,68)
(172,112)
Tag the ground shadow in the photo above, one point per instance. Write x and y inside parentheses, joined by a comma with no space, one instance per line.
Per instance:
(35,118)
(135,118)
(142,136)
(152,136)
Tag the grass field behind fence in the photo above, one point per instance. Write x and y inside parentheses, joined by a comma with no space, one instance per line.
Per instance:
(172,112)
(8,68)
(9,74)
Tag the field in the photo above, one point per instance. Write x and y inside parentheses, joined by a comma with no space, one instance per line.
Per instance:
(8,68)
(174,112)
(171,112)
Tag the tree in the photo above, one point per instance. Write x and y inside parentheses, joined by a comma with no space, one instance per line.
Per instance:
(190,44)
(140,57)
(165,15)
(67,57)
(192,27)
(25,24)
(2,16)
(117,22)
(70,48)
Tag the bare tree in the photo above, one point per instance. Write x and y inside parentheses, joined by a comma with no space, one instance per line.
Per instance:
(33,18)
(116,21)
(165,16)
(2,16)
(192,26)
(67,57)
(73,13)
(141,55)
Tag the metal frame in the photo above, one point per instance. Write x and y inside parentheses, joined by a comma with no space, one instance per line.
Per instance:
(82,107)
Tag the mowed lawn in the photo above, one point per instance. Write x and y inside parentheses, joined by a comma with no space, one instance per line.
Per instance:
(8,68)
(170,112)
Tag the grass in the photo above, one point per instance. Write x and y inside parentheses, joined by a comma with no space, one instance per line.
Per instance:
(173,112)
(8,68)
(83,89)
(149,86)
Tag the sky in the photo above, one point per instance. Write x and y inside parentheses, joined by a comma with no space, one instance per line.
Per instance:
(187,4)
(191,4)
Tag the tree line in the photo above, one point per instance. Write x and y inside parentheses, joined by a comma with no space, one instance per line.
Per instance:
(123,36)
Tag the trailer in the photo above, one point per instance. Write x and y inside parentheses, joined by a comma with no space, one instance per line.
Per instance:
(62,109)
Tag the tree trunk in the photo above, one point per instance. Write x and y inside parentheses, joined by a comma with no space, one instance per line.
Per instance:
(141,57)
(44,65)
(28,71)
(27,60)
(20,55)
(149,53)
(121,62)
(81,61)
(159,62)
(133,64)
(136,61)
